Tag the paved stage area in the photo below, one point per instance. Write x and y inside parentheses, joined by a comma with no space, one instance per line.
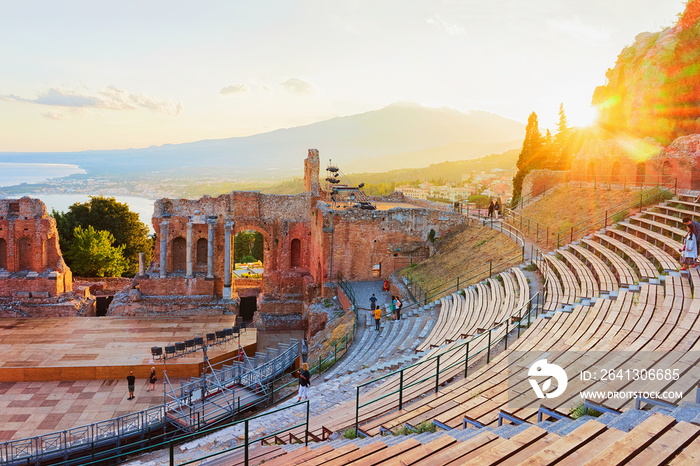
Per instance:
(60,373)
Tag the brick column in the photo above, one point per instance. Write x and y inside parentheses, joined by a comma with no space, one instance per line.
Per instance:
(227,260)
(189,250)
(163,246)
(210,250)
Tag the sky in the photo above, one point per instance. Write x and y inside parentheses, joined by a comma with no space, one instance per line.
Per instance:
(80,75)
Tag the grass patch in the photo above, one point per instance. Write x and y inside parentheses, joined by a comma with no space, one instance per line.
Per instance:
(459,253)
(577,411)
(531,267)
(425,426)
(350,433)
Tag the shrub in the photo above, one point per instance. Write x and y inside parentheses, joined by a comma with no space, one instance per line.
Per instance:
(531,267)
(620,216)
(431,236)
(350,433)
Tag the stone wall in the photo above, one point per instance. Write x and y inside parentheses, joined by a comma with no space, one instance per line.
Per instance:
(537,181)
(30,257)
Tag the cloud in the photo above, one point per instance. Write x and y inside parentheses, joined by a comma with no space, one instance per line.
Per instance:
(234,89)
(111,98)
(297,86)
(53,115)
(452,29)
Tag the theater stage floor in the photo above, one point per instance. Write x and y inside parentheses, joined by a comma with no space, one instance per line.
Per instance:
(89,359)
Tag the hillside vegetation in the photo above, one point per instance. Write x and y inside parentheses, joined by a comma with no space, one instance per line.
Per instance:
(569,205)
(461,252)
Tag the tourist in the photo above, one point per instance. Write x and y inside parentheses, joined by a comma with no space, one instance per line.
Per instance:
(497,208)
(152,380)
(393,307)
(377,318)
(386,285)
(131,382)
(695,228)
(304,350)
(491,208)
(304,382)
(372,302)
(690,249)
(399,305)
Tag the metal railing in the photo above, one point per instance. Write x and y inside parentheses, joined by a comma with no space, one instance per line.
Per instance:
(163,441)
(484,341)
(542,233)
(98,435)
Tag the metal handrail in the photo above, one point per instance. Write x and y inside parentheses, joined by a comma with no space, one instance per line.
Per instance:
(453,348)
(63,442)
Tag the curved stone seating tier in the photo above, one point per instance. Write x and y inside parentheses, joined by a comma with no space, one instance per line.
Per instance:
(587,280)
(625,274)
(640,437)
(482,306)
(393,346)
(643,266)
(661,257)
(604,275)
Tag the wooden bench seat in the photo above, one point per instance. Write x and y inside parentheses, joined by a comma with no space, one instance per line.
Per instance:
(664,259)
(586,278)
(658,227)
(606,277)
(625,274)
(644,267)
(571,290)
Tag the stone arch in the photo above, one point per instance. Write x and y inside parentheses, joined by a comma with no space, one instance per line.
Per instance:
(591,170)
(270,258)
(295,253)
(615,172)
(3,254)
(641,172)
(179,250)
(202,251)
(24,253)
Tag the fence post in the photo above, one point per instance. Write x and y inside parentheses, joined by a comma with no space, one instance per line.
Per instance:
(357,411)
(245,446)
(466,362)
(306,435)
(520,314)
(606,219)
(490,268)
(401,390)
(506,341)
(641,197)
(172,454)
(437,374)
(488,349)
(572,235)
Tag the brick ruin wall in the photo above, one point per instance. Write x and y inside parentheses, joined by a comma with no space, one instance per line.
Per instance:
(633,160)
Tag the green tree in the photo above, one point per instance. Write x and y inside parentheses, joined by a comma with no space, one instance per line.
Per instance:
(247,244)
(562,141)
(530,155)
(479,200)
(92,254)
(105,213)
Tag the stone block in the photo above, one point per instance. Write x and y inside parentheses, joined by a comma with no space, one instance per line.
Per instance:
(40,294)
(21,294)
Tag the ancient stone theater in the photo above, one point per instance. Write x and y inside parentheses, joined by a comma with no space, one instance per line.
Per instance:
(308,243)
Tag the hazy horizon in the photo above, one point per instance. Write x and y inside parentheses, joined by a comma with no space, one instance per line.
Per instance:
(89,76)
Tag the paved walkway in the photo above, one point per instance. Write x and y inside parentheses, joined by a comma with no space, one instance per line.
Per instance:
(28,409)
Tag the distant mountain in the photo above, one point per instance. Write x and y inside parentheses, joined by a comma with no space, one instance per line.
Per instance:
(390,137)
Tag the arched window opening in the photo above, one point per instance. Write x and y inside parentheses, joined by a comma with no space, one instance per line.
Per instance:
(24,253)
(641,173)
(3,254)
(202,251)
(179,254)
(296,253)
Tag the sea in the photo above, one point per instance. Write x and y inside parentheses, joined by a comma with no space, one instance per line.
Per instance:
(12,174)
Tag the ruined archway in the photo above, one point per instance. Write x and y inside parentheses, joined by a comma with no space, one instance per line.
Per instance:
(591,171)
(202,245)
(615,175)
(3,254)
(641,173)
(179,253)
(24,253)
(295,253)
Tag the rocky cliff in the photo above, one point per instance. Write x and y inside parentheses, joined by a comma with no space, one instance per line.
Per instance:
(654,88)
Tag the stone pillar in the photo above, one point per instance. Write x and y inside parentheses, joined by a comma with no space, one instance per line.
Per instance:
(210,251)
(142,263)
(163,246)
(189,250)
(227,260)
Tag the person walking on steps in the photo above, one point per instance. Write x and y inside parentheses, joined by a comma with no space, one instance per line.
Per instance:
(372,302)
(304,382)
(386,285)
(497,209)
(131,382)
(491,208)
(377,318)
(689,250)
